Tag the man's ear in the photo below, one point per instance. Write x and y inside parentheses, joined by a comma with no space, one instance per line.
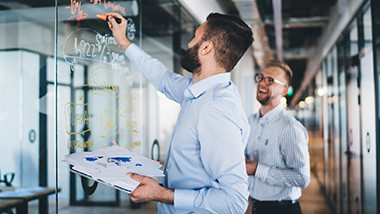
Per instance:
(206,47)
(285,91)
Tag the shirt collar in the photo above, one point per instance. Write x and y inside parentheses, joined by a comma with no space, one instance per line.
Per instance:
(270,115)
(198,88)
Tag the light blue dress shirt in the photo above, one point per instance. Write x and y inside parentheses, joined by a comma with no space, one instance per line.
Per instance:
(205,164)
(279,143)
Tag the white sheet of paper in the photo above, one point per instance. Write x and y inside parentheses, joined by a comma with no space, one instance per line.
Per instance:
(110,165)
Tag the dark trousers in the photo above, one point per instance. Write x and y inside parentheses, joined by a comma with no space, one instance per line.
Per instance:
(275,207)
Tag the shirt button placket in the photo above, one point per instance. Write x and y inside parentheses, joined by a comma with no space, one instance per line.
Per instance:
(260,130)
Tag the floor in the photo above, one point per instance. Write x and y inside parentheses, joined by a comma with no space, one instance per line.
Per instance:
(312,200)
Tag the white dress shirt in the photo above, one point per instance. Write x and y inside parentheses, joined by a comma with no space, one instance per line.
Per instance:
(279,143)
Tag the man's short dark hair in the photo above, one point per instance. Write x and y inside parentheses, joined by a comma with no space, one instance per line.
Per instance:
(285,67)
(231,37)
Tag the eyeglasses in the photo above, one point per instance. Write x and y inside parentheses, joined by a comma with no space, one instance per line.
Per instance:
(267,80)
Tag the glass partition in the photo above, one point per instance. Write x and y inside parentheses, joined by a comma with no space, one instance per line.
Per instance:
(26,42)
(102,89)
(66,87)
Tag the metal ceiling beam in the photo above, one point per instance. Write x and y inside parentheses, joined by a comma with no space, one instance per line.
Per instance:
(302,22)
(278,27)
(295,53)
(298,53)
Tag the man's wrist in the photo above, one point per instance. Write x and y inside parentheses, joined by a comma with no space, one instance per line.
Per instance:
(255,168)
(166,196)
(125,44)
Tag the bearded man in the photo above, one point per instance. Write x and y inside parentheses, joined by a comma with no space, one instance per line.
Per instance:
(278,161)
(205,167)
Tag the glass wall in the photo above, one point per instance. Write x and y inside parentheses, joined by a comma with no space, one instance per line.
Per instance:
(344,106)
(66,87)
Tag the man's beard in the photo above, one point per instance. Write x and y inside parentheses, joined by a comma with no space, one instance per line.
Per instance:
(263,100)
(190,61)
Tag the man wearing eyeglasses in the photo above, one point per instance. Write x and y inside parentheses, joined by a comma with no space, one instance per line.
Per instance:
(277,157)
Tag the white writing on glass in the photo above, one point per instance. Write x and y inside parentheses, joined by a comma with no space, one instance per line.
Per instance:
(96,48)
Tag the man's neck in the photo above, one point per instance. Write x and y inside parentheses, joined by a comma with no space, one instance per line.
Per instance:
(203,74)
(268,107)
(196,76)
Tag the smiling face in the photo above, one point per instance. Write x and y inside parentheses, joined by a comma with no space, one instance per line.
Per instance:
(271,94)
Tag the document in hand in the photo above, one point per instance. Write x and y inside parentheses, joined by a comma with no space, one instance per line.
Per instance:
(110,165)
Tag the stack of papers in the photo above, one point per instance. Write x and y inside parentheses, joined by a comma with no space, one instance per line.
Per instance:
(110,165)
